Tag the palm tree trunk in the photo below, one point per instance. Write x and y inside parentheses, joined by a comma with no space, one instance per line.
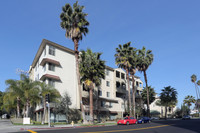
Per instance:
(78,78)
(27,108)
(165,112)
(129,95)
(197,95)
(133,88)
(44,112)
(18,108)
(148,109)
(91,104)
(24,111)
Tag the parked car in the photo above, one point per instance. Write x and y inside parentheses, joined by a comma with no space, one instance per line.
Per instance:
(127,121)
(186,117)
(144,120)
(155,118)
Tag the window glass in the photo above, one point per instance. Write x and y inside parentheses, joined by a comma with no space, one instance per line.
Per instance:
(51,50)
(110,104)
(117,84)
(137,83)
(124,86)
(122,75)
(102,103)
(51,83)
(107,72)
(117,74)
(45,51)
(44,67)
(100,93)
(51,67)
(108,83)
(108,94)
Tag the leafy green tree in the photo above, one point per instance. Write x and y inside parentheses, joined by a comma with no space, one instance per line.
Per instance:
(168,97)
(123,58)
(63,106)
(47,90)
(73,20)
(92,70)
(152,95)
(1,103)
(189,100)
(144,61)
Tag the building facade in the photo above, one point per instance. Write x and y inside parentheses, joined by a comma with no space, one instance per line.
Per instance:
(159,111)
(55,65)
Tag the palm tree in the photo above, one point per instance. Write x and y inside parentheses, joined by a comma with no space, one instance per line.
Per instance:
(30,93)
(194,79)
(92,70)
(152,95)
(198,91)
(73,20)
(168,96)
(14,92)
(9,103)
(133,69)
(45,90)
(189,100)
(144,61)
(123,57)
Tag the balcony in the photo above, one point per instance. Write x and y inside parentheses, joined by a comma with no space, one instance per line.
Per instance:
(85,94)
(120,90)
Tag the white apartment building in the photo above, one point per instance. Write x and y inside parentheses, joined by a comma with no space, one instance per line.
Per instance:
(55,65)
(160,109)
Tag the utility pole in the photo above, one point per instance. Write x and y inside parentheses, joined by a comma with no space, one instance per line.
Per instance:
(47,98)
(49,115)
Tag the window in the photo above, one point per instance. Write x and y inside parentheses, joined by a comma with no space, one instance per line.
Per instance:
(140,84)
(51,50)
(84,88)
(51,67)
(100,93)
(35,67)
(124,86)
(107,72)
(102,103)
(117,74)
(44,67)
(108,83)
(108,94)
(137,83)
(51,82)
(118,84)
(110,104)
(122,75)
(137,92)
(38,77)
(38,64)
(44,51)
(122,106)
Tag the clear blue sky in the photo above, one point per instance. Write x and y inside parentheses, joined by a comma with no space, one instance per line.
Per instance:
(170,28)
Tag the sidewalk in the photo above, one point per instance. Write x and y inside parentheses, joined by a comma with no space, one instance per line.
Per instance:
(18,128)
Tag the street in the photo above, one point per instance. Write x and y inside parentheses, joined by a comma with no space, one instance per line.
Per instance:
(161,126)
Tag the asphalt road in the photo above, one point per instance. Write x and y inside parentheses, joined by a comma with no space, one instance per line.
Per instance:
(169,126)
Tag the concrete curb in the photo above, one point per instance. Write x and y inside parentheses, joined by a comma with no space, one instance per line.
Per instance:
(48,128)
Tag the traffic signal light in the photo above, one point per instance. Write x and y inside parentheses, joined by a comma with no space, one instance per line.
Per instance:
(47,98)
